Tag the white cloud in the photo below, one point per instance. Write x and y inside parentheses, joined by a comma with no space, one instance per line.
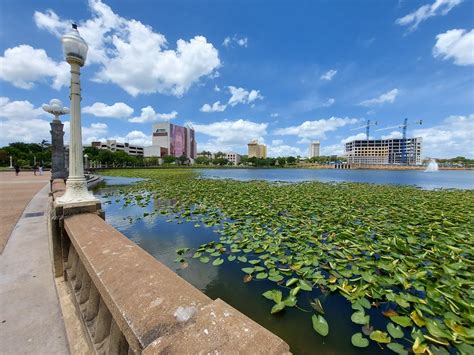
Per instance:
(389,97)
(274,115)
(117,110)
(24,65)
(20,121)
(393,135)
(216,107)
(328,103)
(242,96)
(457,45)
(217,88)
(240,41)
(230,135)
(283,150)
(134,57)
(453,137)
(133,137)
(439,7)
(328,75)
(148,114)
(317,128)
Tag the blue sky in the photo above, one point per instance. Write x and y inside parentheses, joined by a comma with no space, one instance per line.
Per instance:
(282,73)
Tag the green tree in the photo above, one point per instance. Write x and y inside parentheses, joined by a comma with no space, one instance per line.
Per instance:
(168,159)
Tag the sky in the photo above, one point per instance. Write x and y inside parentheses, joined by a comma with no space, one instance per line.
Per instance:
(283,72)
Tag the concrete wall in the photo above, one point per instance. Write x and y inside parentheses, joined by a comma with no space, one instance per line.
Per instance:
(129,302)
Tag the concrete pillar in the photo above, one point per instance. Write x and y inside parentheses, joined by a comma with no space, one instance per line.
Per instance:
(57,150)
(76,186)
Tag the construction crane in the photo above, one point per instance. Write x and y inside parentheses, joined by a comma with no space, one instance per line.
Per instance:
(367,127)
(404,136)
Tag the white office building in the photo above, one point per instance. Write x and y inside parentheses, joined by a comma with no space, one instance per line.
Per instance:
(314,149)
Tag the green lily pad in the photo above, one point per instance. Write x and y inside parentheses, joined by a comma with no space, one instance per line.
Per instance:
(320,325)
(380,337)
(273,295)
(248,270)
(204,259)
(358,340)
(218,262)
(401,320)
(278,307)
(359,317)
(395,331)
(261,275)
(397,348)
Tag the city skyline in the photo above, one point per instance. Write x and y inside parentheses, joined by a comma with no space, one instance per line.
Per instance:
(283,85)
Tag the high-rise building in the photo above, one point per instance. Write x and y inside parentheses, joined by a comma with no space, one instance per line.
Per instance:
(257,150)
(384,151)
(314,149)
(171,139)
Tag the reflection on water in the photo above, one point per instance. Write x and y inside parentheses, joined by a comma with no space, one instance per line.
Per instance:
(442,179)
(161,239)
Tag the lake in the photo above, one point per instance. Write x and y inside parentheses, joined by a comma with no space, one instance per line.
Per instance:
(457,179)
(161,238)
(162,235)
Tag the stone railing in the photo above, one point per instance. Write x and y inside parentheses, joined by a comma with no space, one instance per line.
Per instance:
(128,302)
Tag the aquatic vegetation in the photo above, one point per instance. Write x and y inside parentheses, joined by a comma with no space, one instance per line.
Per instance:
(402,252)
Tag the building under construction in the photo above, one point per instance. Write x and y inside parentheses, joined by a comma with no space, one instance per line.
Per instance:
(384,151)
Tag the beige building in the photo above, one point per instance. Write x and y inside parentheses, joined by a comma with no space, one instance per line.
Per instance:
(233,157)
(257,150)
(114,146)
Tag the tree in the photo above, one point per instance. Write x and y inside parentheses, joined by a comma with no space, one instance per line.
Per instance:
(182,159)
(169,159)
(202,160)
(281,161)
(220,161)
(291,160)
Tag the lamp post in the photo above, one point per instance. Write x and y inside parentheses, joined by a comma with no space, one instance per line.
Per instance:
(11,162)
(85,161)
(75,51)
(56,108)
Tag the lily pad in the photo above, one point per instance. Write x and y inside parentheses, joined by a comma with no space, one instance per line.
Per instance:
(218,262)
(359,317)
(395,331)
(380,337)
(358,340)
(320,325)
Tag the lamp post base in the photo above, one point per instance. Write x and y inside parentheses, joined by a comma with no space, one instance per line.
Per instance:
(76,193)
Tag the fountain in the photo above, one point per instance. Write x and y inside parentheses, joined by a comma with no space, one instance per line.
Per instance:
(432,166)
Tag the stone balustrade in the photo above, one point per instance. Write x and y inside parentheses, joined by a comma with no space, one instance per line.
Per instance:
(129,302)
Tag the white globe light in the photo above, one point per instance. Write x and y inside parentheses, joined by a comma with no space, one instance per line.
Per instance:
(74,46)
(55,108)
(56,102)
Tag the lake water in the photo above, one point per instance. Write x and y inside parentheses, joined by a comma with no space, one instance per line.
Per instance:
(427,180)
(161,236)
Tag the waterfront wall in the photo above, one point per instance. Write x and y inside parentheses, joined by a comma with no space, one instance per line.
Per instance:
(128,302)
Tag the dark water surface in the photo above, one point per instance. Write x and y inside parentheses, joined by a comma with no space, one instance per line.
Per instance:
(457,179)
(161,237)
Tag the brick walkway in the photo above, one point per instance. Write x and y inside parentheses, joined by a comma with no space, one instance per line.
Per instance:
(15,193)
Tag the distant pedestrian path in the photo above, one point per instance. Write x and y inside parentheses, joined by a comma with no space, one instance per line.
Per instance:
(15,193)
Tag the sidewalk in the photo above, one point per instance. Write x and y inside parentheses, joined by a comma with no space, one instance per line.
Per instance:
(30,315)
(15,193)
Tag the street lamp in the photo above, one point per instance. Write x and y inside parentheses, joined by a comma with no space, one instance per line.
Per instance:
(56,108)
(85,161)
(75,51)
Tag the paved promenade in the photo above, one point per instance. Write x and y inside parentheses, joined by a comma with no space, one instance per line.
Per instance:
(30,316)
(15,193)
